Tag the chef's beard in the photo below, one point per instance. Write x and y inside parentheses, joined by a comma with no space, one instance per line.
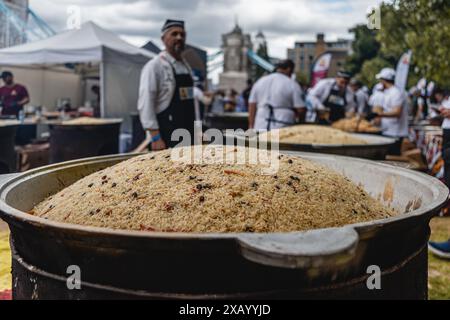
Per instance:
(179,48)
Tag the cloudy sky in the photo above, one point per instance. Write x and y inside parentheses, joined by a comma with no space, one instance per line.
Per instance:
(282,21)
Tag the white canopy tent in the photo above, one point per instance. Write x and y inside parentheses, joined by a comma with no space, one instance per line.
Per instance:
(120,62)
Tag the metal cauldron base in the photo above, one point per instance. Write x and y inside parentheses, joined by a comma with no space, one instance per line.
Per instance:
(407,281)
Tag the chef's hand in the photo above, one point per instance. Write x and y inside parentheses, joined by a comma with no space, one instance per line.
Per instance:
(377,122)
(159,145)
(323,114)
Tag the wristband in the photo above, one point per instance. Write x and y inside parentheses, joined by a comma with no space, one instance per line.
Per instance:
(156,138)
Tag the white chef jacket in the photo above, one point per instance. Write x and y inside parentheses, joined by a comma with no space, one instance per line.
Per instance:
(395,127)
(319,94)
(280,92)
(376,99)
(446,105)
(157,87)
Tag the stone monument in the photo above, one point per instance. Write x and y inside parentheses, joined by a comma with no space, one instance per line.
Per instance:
(237,67)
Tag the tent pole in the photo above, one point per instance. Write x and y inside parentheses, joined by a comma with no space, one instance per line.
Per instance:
(43,91)
(102,90)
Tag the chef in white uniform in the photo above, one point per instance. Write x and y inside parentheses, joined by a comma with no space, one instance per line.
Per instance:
(377,97)
(394,116)
(333,96)
(166,91)
(276,99)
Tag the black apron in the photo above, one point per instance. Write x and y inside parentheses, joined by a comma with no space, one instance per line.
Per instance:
(425,106)
(272,118)
(336,102)
(181,112)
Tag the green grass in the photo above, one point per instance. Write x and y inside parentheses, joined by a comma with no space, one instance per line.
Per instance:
(439,270)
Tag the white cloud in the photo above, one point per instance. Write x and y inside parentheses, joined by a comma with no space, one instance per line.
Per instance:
(283,21)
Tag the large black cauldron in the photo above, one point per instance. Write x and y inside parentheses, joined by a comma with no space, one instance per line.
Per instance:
(328,264)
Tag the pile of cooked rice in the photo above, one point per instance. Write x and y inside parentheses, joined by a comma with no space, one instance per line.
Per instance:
(87,121)
(312,134)
(152,192)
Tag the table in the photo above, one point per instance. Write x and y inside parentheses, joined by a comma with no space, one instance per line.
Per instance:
(429,140)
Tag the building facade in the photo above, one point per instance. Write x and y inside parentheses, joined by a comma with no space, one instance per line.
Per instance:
(237,67)
(305,53)
(11,29)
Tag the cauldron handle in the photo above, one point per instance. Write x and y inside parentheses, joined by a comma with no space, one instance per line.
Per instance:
(327,248)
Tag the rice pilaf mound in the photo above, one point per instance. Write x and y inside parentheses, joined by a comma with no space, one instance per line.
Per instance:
(312,134)
(153,193)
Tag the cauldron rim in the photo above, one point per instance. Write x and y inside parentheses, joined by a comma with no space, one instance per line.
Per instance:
(16,124)
(325,247)
(441,196)
(373,139)
(228,114)
(107,122)
(393,242)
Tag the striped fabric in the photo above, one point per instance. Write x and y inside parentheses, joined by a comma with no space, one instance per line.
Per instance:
(6,295)
(172,23)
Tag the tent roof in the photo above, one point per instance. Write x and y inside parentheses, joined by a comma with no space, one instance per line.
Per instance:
(151,46)
(74,46)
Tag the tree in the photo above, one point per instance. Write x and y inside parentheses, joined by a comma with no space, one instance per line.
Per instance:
(422,26)
(367,59)
(365,47)
(302,78)
(370,69)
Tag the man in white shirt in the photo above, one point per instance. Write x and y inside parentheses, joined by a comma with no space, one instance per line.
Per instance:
(333,97)
(394,116)
(166,91)
(377,97)
(276,99)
